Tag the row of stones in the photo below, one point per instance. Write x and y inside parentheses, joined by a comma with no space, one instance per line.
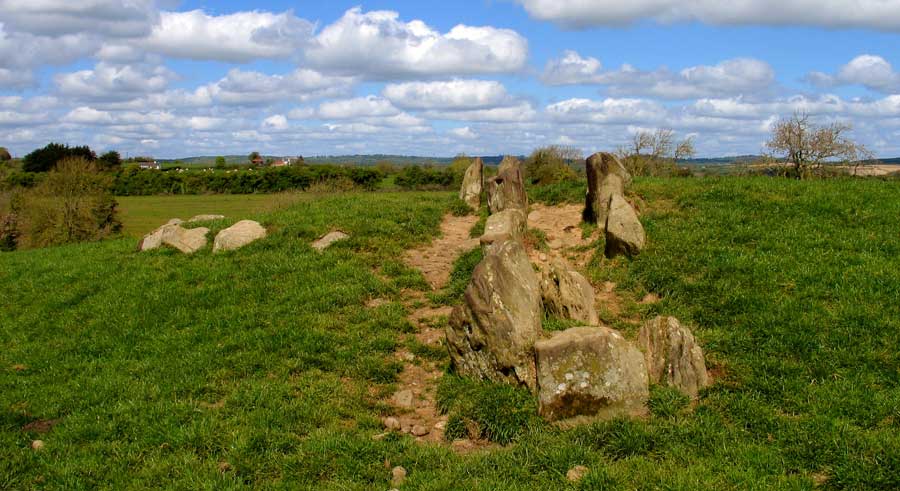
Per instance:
(590,371)
(190,240)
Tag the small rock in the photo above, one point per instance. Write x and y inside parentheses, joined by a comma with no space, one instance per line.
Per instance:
(543,257)
(398,476)
(650,298)
(609,286)
(391,423)
(380,436)
(37,445)
(577,473)
(19,368)
(224,467)
(404,399)
(440,425)
(406,356)
(328,239)
(206,218)
(419,430)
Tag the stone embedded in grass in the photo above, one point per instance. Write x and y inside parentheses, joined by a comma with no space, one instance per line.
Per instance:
(568,294)
(590,372)
(492,334)
(624,232)
(506,225)
(606,177)
(37,445)
(328,239)
(577,473)
(507,189)
(398,476)
(205,218)
(419,430)
(404,399)
(238,235)
(673,356)
(172,234)
(391,423)
(473,184)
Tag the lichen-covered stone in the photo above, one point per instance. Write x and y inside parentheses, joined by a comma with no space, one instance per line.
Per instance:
(507,189)
(590,373)
(568,294)
(673,356)
(238,235)
(492,334)
(473,184)
(606,176)
(624,232)
(506,225)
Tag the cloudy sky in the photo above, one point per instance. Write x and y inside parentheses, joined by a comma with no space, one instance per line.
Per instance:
(178,78)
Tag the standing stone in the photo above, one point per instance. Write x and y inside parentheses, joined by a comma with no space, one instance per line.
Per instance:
(624,232)
(568,294)
(492,334)
(238,235)
(473,184)
(673,356)
(507,189)
(590,372)
(507,225)
(606,176)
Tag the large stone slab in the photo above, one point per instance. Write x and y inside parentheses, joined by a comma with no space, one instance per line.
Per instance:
(606,176)
(238,235)
(473,184)
(567,293)
(506,225)
(492,334)
(673,356)
(624,232)
(506,190)
(172,234)
(329,239)
(590,373)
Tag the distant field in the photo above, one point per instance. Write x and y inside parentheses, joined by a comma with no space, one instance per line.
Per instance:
(142,214)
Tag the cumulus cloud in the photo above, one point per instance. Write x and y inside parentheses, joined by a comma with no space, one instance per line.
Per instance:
(607,111)
(454,94)
(735,76)
(381,46)
(465,133)
(240,87)
(276,122)
(358,107)
(113,18)
(108,82)
(873,14)
(870,71)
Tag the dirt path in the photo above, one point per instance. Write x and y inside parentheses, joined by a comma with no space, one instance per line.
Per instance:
(436,259)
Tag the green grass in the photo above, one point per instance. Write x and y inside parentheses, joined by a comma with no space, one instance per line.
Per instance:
(143,214)
(160,367)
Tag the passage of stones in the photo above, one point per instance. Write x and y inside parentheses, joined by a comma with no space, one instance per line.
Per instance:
(583,373)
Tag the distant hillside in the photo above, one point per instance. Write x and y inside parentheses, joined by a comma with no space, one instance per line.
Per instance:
(361,160)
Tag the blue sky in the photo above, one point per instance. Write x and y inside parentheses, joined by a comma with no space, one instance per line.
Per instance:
(169,78)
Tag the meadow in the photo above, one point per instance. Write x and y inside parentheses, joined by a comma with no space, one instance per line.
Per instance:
(264,368)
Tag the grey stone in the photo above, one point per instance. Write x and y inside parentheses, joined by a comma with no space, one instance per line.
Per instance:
(606,176)
(238,235)
(404,399)
(567,293)
(328,239)
(507,189)
(398,476)
(673,356)
(506,225)
(624,232)
(590,373)
(205,218)
(492,334)
(473,184)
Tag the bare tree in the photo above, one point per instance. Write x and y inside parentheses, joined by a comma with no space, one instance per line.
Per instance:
(655,152)
(809,147)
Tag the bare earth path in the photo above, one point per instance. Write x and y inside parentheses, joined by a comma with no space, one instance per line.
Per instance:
(436,259)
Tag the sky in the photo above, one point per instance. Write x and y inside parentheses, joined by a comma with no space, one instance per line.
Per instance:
(170,79)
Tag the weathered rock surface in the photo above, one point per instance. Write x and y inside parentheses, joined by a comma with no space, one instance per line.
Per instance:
(606,176)
(492,334)
(624,232)
(507,189)
(172,234)
(590,372)
(205,218)
(473,184)
(506,225)
(673,356)
(567,293)
(238,235)
(328,239)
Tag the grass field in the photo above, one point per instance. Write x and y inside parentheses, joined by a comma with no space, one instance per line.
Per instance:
(143,214)
(264,369)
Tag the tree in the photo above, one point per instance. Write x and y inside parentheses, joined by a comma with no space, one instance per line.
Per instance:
(551,164)
(655,153)
(45,159)
(220,162)
(254,156)
(808,148)
(110,161)
(4,155)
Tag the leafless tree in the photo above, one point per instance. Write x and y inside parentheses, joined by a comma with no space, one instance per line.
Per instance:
(655,152)
(809,147)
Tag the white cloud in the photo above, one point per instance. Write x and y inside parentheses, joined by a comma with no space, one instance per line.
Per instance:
(607,111)
(465,133)
(735,76)
(454,94)
(108,82)
(522,111)
(114,18)
(88,115)
(872,14)
(238,37)
(870,71)
(275,122)
(379,45)
(358,107)
(253,88)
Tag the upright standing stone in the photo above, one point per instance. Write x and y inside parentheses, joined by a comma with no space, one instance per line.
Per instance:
(568,294)
(606,176)
(590,372)
(624,232)
(473,184)
(492,334)
(673,356)
(507,189)
(507,225)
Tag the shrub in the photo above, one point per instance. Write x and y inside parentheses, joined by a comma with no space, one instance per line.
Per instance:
(551,164)
(4,155)
(425,178)
(71,204)
(45,159)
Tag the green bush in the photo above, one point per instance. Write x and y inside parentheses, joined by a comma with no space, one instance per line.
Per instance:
(425,178)
(551,164)
(45,159)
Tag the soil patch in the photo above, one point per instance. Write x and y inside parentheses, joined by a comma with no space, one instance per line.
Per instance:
(435,260)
